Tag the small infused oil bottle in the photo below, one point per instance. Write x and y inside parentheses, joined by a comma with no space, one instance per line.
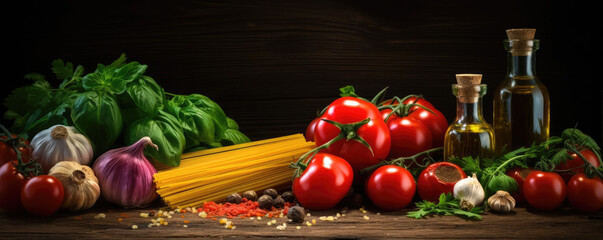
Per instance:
(521,102)
(469,134)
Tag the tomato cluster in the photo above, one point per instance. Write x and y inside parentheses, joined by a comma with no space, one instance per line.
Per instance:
(548,190)
(21,190)
(356,131)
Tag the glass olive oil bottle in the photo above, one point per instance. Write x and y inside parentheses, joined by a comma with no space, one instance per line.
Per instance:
(469,134)
(521,101)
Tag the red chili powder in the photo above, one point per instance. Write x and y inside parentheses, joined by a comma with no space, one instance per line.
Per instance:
(245,209)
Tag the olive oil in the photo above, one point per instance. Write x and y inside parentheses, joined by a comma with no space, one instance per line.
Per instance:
(521,101)
(469,134)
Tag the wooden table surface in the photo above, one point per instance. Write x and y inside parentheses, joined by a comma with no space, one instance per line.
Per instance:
(522,223)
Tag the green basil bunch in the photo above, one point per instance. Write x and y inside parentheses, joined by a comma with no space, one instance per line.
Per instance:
(118,100)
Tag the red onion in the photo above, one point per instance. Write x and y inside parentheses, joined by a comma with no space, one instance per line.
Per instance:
(126,176)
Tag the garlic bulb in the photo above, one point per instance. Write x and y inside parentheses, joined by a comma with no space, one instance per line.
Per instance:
(501,202)
(470,192)
(79,183)
(60,143)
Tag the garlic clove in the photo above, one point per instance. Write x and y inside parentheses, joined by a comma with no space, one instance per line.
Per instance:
(501,202)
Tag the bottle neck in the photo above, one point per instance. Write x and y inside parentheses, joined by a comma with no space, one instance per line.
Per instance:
(469,112)
(521,65)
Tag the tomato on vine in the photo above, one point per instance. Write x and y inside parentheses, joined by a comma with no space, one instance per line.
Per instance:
(575,164)
(42,195)
(391,187)
(423,111)
(322,182)
(11,183)
(353,129)
(585,194)
(544,190)
(408,135)
(8,154)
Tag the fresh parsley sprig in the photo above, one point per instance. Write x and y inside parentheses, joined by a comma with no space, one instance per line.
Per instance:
(448,206)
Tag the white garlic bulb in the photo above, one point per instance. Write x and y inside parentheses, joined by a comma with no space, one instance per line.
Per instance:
(79,183)
(60,143)
(470,192)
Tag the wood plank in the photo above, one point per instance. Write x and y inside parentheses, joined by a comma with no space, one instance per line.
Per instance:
(522,223)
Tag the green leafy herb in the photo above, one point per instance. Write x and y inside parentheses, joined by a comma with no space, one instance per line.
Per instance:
(99,104)
(448,206)
(165,131)
(99,118)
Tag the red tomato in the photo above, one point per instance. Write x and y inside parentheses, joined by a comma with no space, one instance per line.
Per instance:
(375,133)
(436,123)
(324,182)
(438,178)
(408,135)
(310,130)
(544,190)
(519,174)
(11,183)
(576,164)
(8,154)
(391,187)
(585,194)
(42,195)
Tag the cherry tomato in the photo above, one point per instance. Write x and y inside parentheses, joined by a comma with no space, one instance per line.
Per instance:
(351,110)
(585,194)
(324,182)
(437,123)
(408,135)
(42,195)
(576,164)
(310,130)
(438,178)
(519,174)
(11,183)
(544,190)
(8,154)
(391,187)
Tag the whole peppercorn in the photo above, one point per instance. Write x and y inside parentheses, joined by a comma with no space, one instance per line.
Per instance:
(279,202)
(288,197)
(250,195)
(265,202)
(234,198)
(296,214)
(271,192)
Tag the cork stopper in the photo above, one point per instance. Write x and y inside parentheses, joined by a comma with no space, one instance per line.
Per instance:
(468,87)
(522,40)
(521,33)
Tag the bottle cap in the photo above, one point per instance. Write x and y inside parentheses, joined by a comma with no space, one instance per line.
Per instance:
(522,41)
(468,87)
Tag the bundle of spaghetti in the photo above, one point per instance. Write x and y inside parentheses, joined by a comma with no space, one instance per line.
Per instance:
(212,174)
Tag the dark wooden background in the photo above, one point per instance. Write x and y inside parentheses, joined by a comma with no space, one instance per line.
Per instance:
(273,64)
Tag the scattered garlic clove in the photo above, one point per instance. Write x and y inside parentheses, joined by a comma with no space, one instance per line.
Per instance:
(501,202)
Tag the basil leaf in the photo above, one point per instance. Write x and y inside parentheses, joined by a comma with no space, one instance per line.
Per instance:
(130,72)
(197,125)
(164,130)
(146,95)
(233,137)
(98,117)
(232,124)
(209,106)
